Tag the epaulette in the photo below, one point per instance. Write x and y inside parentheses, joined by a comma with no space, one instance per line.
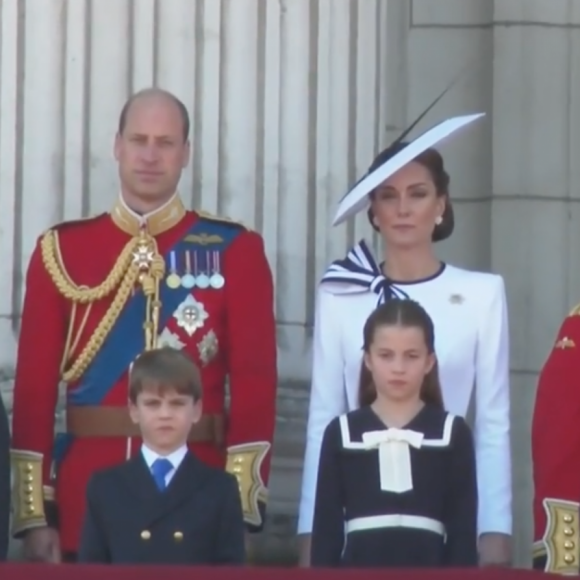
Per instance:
(226,220)
(59,227)
(575,311)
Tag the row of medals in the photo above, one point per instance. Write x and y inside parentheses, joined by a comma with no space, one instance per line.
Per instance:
(202,281)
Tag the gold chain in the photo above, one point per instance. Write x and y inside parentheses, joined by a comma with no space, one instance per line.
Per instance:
(138,263)
(54,265)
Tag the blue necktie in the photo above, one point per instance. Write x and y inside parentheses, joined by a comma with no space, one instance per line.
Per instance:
(160,468)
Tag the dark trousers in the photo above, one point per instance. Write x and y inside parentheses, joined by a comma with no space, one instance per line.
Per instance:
(69,558)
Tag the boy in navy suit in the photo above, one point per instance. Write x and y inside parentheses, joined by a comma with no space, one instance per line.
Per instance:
(163,506)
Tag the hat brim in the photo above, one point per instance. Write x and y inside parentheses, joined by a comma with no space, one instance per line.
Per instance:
(357,199)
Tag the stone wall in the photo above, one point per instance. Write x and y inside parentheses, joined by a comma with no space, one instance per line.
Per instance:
(277,543)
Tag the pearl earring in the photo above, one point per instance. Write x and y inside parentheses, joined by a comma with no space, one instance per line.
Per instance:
(438,220)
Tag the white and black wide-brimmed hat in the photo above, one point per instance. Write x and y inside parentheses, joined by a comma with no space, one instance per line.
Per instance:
(396,156)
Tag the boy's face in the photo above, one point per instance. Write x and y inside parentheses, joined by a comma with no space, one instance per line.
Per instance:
(165,418)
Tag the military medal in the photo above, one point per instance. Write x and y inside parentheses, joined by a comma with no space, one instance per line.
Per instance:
(173,280)
(202,280)
(188,279)
(217,280)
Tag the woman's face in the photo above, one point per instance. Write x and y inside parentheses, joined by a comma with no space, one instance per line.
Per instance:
(398,360)
(406,207)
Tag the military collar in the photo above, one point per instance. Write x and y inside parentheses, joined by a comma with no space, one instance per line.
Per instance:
(155,222)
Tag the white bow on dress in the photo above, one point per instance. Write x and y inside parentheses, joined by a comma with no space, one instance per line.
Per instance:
(394,456)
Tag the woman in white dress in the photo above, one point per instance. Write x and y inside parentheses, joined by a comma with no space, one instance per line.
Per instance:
(406,193)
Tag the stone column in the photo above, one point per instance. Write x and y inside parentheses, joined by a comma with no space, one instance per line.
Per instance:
(535,210)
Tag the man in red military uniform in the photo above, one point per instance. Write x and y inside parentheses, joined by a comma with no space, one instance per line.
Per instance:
(102,290)
(556,454)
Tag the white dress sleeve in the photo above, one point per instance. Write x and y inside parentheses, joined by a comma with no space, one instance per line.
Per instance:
(327,397)
(492,415)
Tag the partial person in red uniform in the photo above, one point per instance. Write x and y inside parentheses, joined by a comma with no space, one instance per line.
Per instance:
(556,455)
(102,290)
(4,481)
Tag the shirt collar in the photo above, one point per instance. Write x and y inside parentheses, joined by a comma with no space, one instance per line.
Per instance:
(175,457)
(155,222)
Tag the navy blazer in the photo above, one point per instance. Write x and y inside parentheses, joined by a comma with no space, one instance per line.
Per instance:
(4,481)
(197,519)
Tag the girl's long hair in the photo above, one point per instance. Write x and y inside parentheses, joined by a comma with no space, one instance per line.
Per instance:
(409,314)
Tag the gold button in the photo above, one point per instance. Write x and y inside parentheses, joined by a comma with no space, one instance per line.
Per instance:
(145,534)
(237,469)
(29,479)
(568,545)
(568,519)
(239,460)
(178,536)
(568,532)
(569,559)
(28,468)
(30,509)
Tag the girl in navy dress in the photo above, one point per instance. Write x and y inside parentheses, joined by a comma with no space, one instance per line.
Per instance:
(396,482)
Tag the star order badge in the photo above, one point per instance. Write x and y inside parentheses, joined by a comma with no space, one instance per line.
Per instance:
(208,347)
(190,315)
(170,339)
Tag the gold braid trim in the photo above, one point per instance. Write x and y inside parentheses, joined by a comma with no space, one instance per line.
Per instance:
(124,276)
(54,265)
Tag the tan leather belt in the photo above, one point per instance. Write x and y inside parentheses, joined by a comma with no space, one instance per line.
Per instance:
(116,422)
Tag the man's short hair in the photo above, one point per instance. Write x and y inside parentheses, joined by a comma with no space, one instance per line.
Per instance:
(163,370)
(159,92)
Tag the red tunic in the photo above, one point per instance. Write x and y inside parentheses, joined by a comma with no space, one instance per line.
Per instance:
(556,454)
(241,316)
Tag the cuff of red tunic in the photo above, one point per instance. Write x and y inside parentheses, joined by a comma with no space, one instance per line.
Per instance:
(245,463)
(561,539)
(33,504)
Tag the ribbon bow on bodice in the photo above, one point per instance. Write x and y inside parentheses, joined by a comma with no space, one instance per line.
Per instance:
(359,271)
(394,456)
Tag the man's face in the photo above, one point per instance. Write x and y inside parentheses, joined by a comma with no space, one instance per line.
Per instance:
(151,151)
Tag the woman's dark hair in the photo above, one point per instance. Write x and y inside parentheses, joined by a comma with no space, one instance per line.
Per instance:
(432,161)
(409,314)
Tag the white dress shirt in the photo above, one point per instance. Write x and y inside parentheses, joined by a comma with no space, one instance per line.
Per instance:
(175,458)
(469,313)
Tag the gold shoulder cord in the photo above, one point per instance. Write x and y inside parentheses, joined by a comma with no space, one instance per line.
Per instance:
(138,263)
